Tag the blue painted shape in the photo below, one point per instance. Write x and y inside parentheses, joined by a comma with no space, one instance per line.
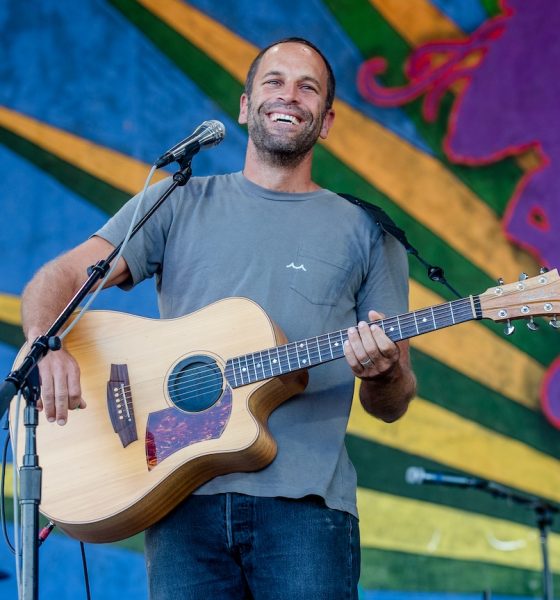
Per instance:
(82,67)
(468,15)
(114,573)
(263,23)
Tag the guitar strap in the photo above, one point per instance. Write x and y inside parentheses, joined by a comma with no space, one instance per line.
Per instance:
(380,217)
(387,225)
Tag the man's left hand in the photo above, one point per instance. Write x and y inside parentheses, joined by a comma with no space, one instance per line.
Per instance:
(369,352)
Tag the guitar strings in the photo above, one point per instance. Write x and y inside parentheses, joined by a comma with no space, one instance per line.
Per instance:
(289,354)
(191,386)
(408,322)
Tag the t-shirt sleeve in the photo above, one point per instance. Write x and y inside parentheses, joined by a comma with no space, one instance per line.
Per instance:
(145,251)
(385,288)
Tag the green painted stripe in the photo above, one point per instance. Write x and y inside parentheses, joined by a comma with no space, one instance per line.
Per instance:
(373,36)
(411,572)
(11,334)
(383,469)
(492,7)
(470,399)
(99,193)
(212,80)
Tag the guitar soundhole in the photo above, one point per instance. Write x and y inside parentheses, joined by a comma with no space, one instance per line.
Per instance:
(195,384)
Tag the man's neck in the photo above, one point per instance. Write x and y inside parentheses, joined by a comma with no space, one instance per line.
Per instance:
(279,178)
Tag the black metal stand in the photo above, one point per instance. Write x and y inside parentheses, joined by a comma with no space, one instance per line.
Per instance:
(30,489)
(544,512)
(26,379)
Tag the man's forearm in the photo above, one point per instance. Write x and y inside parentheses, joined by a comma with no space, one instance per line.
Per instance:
(44,298)
(387,397)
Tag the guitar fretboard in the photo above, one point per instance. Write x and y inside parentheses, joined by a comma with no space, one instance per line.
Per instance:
(303,354)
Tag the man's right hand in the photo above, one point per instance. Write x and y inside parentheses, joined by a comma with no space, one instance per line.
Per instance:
(60,386)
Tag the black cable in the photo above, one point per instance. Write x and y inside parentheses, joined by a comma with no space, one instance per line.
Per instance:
(3,497)
(86,576)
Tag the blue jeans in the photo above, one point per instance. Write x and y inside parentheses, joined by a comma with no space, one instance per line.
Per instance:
(232,546)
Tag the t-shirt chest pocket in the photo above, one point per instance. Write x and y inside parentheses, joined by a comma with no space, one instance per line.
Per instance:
(320,277)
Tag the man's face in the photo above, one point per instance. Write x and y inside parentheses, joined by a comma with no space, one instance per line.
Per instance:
(285,112)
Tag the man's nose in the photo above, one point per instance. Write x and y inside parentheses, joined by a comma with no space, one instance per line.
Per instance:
(289,92)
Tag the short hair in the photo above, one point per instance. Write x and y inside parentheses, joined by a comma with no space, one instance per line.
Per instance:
(331,83)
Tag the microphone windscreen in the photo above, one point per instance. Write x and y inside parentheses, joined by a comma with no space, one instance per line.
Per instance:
(414,475)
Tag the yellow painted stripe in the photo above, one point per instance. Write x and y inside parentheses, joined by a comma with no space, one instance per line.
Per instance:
(417,21)
(438,434)
(9,483)
(116,169)
(399,524)
(480,354)
(418,183)
(10,309)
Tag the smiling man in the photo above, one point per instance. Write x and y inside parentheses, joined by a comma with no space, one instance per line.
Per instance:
(316,264)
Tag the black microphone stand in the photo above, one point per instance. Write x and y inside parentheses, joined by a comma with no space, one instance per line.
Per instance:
(26,379)
(544,512)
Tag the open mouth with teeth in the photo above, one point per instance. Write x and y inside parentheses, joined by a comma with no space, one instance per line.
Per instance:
(284,118)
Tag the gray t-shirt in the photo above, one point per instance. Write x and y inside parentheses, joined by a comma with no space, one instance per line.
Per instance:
(314,262)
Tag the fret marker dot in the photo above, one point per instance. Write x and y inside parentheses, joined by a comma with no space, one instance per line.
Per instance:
(336,344)
(244,369)
(424,320)
(301,345)
(392,329)
(274,361)
(304,360)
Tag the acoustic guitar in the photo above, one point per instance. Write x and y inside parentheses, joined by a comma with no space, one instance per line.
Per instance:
(173,403)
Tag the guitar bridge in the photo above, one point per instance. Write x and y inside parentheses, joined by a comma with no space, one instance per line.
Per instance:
(119,404)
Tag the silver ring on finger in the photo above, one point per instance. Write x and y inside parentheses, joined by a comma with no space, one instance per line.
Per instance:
(366,363)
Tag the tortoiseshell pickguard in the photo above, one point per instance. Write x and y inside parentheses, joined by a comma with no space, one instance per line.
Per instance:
(171,429)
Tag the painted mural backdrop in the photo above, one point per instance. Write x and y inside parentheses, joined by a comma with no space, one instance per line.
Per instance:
(446,117)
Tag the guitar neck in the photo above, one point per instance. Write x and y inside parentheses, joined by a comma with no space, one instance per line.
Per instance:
(304,354)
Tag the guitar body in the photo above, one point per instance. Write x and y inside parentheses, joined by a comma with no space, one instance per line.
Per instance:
(100,485)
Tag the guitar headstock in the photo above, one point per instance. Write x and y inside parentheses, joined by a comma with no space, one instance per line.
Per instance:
(527,298)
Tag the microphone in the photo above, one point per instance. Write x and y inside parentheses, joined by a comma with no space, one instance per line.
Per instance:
(419,476)
(206,135)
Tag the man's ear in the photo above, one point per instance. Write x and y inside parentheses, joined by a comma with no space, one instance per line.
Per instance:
(327,124)
(243,107)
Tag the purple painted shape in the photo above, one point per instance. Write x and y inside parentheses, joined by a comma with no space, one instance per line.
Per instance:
(519,74)
(171,429)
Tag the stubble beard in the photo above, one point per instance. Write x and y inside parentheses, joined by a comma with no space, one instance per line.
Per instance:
(278,150)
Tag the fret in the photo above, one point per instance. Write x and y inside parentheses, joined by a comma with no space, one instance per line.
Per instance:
(415,322)
(286,351)
(330,344)
(451,310)
(399,324)
(262,366)
(433,317)
(234,371)
(279,361)
(318,350)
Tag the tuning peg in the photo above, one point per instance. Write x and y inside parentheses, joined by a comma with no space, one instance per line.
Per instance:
(523,276)
(500,280)
(543,270)
(532,325)
(554,322)
(509,328)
